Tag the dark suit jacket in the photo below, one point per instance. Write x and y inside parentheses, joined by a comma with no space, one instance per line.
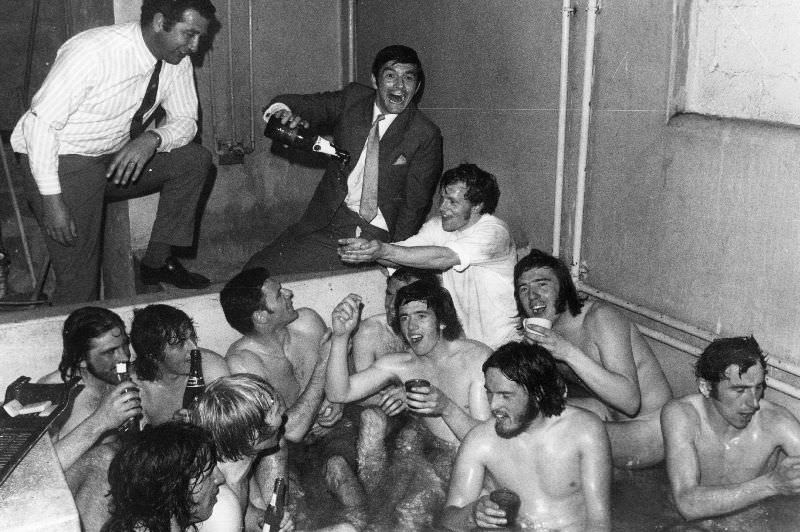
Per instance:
(410,158)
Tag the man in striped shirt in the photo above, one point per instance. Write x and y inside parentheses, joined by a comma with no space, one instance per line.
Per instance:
(84,141)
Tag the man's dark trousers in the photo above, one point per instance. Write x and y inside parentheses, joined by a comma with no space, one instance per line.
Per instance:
(179,175)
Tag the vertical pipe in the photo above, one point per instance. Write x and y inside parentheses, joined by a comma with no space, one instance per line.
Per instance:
(230,73)
(18,215)
(566,14)
(351,40)
(586,111)
(252,144)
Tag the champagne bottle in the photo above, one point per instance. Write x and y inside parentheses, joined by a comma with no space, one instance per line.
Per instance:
(131,425)
(303,139)
(274,513)
(195,384)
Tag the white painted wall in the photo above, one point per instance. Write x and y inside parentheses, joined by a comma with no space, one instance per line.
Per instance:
(744,60)
(33,347)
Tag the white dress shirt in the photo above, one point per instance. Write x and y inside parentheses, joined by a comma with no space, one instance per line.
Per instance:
(90,95)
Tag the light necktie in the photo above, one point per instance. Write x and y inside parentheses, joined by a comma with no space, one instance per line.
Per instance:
(137,123)
(369,191)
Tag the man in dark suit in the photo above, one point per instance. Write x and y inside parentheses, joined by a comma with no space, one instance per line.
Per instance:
(385,191)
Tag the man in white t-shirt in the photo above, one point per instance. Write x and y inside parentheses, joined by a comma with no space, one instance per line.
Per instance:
(470,246)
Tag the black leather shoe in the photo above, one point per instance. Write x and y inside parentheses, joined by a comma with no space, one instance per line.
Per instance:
(172,272)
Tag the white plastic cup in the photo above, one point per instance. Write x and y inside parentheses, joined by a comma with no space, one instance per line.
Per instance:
(541,322)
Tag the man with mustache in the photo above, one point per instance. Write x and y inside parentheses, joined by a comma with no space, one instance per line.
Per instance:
(385,190)
(727,447)
(84,142)
(94,342)
(555,457)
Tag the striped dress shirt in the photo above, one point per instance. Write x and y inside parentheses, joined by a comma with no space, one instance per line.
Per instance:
(90,95)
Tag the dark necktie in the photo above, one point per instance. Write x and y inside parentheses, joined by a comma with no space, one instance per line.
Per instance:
(137,123)
(369,192)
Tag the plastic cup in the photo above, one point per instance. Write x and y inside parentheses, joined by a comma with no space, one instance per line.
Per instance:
(415,383)
(509,502)
(541,322)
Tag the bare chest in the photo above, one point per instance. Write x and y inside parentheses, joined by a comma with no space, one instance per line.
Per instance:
(161,399)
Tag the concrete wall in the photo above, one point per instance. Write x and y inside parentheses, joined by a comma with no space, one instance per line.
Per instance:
(31,345)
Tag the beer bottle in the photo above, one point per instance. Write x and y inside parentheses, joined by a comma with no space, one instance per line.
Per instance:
(131,425)
(195,385)
(274,513)
(303,139)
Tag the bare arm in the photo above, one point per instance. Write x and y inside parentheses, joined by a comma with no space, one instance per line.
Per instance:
(596,474)
(303,412)
(614,378)
(341,386)
(115,408)
(436,403)
(464,509)
(355,250)
(267,469)
(679,422)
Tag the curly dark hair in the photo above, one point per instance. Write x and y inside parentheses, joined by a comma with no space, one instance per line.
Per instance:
(481,186)
(153,477)
(80,328)
(534,368)
(741,351)
(152,330)
(438,300)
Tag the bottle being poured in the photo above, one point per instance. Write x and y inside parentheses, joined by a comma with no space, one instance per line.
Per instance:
(301,138)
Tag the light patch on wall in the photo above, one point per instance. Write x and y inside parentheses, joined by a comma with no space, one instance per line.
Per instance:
(743,60)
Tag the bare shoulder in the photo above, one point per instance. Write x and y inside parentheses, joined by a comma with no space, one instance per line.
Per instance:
(372,326)
(681,411)
(481,439)
(214,365)
(53,377)
(471,350)
(775,418)
(601,316)
(308,323)
(242,359)
(577,423)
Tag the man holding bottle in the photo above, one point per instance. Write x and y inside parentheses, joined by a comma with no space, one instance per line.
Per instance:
(385,190)
(94,342)
(163,338)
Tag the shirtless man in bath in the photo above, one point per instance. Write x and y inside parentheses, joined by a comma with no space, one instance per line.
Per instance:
(723,443)
(94,341)
(607,363)
(555,457)
(288,348)
(455,400)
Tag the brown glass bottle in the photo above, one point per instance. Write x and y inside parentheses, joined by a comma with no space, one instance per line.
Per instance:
(131,426)
(274,512)
(195,384)
(303,139)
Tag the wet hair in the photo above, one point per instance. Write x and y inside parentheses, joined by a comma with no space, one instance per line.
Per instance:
(242,296)
(481,185)
(437,299)
(234,410)
(173,10)
(533,368)
(397,53)
(152,330)
(153,477)
(567,293)
(80,328)
(719,355)
(407,274)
